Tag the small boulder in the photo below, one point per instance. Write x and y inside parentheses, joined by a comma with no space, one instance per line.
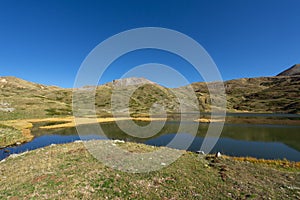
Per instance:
(200,152)
(218,155)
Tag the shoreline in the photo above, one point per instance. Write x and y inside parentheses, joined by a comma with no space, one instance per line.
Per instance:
(281,162)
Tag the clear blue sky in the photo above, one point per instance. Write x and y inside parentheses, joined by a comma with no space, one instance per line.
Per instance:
(46,41)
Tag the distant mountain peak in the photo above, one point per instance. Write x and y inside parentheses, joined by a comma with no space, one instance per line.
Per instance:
(131,81)
(292,71)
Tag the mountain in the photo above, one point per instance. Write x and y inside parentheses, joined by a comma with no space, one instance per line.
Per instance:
(125,82)
(292,71)
(23,99)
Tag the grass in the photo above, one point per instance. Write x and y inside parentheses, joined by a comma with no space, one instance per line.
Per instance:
(9,135)
(69,172)
(257,95)
(16,134)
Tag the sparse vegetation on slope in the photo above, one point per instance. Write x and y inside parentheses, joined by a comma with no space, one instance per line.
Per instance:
(20,99)
(31,100)
(292,71)
(266,94)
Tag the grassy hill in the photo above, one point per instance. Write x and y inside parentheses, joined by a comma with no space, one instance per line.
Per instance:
(23,99)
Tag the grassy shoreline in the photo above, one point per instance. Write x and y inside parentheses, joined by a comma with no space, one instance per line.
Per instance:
(68,171)
(14,133)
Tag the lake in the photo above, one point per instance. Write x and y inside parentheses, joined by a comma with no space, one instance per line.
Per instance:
(259,141)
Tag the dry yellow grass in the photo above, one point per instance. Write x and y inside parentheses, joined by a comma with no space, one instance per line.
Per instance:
(205,120)
(71,122)
(21,136)
(282,163)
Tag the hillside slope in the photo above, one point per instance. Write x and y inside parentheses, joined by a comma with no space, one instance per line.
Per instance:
(292,71)
(23,99)
(265,94)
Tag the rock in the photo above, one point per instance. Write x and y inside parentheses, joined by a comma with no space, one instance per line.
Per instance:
(3,80)
(218,154)
(118,141)
(200,152)
(14,155)
(7,109)
(18,143)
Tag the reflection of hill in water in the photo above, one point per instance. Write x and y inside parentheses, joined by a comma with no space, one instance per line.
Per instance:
(288,135)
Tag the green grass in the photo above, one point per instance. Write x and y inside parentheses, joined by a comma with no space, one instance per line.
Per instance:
(69,172)
(10,136)
(267,94)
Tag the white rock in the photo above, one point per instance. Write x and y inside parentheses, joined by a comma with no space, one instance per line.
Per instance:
(7,109)
(118,141)
(3,80)
(200,152)
(14,155)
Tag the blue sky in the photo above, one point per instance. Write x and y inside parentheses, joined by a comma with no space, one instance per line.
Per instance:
(46,41)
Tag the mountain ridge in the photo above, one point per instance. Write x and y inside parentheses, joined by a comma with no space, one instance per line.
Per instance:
(292,71)
(23,99)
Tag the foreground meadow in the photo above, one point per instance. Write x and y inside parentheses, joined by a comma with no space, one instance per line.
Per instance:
(68,171)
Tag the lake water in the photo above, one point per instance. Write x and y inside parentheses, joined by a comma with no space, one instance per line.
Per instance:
(260,141)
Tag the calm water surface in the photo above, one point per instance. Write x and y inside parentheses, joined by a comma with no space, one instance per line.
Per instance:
(260,141)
